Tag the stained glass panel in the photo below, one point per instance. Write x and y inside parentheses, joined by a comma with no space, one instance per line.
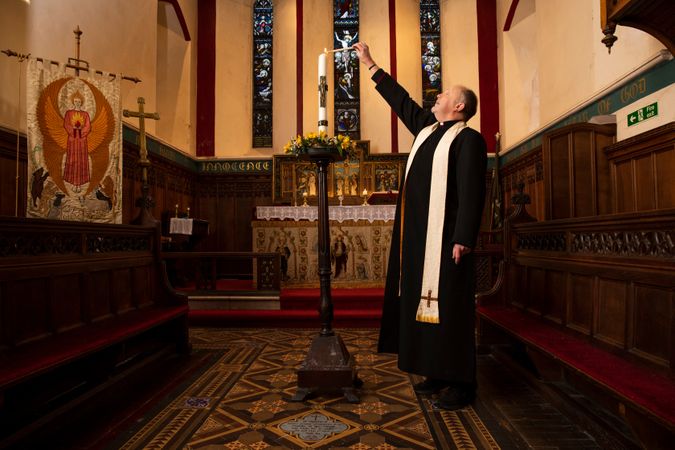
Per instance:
(430,29)
(262,73)
(346,64)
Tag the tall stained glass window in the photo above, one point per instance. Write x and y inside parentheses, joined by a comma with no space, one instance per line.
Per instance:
(347,114)
(430,28)
(262,73)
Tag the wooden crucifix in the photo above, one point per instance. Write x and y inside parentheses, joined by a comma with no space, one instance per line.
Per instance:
(145,202)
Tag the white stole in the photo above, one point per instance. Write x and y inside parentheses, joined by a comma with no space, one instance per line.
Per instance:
(427,311)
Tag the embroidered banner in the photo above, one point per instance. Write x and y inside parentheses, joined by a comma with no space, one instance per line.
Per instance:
(74,145)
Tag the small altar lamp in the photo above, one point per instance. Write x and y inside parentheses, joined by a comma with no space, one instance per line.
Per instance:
(364,194)
(188,212)
(176,210)
(304,199)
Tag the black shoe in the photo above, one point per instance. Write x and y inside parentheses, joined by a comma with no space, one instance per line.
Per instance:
(454,398)
(430,386)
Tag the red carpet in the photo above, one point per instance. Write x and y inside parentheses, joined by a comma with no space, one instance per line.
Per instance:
(353,308)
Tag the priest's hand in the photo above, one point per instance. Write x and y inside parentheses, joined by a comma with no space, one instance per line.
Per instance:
(458,251)
(363,52)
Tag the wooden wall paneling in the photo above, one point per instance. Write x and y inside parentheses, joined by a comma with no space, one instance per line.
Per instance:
(642,168)
(580,305)
(121,290)
(66,315)
(665,173)
(624,189)
(653,324)
(536,288)
(516,285)
(576,173)
(4,319)
(141,285)
(611,319)
(645,190)
(30,318)
(8,172)
(99,306)
(582,171)
(557,177)
(556,295)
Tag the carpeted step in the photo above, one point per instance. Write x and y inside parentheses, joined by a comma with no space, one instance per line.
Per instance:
(297,318)
(343,299)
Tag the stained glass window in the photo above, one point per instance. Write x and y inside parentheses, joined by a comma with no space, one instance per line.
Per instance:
(430,29)
(262,73)
(347,97)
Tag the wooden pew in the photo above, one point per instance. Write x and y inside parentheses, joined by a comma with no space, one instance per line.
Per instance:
(79,303)
(592,300)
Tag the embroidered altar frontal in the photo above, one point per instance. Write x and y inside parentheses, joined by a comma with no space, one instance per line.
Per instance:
(359,251)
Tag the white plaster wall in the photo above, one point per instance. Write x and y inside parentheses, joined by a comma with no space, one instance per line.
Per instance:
(375,116)
(284,80)
(119,36)
(13,35)
(176,82)
(459,47)
(552,60)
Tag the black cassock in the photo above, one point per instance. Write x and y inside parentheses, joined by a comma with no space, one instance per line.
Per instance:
(447,350)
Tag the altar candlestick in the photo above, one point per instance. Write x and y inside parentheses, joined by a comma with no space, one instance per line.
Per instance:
(188,212)
(176,210)
(323,89)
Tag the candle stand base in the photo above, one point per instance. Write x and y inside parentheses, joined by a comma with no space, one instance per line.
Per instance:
(328,368)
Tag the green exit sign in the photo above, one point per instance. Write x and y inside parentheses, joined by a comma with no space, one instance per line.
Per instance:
(644,113)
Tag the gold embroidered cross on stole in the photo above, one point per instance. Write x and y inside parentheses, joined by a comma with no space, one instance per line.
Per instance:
(427,311)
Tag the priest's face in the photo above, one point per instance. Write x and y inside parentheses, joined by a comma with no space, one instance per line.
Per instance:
(449,105)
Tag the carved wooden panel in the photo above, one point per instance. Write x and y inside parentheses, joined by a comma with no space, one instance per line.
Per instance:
(529,170)
(610,277)
(576,171)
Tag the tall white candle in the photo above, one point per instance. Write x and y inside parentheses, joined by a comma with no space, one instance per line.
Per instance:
(323,118)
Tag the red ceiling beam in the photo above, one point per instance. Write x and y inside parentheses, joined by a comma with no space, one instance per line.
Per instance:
(181,17)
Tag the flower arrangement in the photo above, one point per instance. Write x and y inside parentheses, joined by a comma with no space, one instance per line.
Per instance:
(298,146)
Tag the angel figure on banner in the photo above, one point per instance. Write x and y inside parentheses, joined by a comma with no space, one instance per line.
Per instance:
(76,137)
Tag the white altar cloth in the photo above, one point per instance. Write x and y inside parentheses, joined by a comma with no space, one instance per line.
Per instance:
(338,213)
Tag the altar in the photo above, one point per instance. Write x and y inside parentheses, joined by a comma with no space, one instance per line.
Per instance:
(360,237)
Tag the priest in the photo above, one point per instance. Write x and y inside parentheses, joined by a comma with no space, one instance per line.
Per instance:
(428,313)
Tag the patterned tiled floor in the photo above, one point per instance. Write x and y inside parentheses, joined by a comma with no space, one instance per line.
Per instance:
(243,400)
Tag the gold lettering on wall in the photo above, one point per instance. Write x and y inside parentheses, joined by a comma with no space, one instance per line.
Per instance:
(630,92)
(604,106)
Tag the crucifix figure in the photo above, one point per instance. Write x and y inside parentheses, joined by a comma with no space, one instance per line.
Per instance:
(145,202)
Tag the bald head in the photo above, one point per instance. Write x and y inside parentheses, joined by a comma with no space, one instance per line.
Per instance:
(457,103)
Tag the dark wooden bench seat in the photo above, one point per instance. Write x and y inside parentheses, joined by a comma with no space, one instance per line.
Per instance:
(33,359)
(592,302)
(80,304)
(629,382)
